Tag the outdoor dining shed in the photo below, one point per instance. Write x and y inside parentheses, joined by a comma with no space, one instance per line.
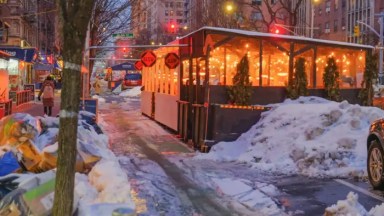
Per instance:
(192,98)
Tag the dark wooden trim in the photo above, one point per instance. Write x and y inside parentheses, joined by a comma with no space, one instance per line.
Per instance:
(273,43)
(225,67)
(314,67)
(261,63)
(291,57)
(304,49)
(223,41)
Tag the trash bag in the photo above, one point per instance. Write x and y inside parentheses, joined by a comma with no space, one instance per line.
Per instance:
(18,127)
(7,185)
(8,164)
(13,204)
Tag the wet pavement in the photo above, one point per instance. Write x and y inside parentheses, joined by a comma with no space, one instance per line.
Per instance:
(136,141)
(167,181)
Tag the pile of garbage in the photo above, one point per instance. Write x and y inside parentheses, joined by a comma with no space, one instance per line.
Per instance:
(28,157)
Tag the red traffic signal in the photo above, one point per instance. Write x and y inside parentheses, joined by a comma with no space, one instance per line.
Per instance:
(172,27)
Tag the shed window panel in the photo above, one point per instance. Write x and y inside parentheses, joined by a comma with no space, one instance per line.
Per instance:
(224,60)
(350,63)
(275,65)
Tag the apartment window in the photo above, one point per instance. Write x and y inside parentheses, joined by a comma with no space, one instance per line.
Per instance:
(179,21)
(256,2)
(336,4)
(13,10)
(343,23)
(179,13)
(179,5)
(256,15)
(328,6)
(166,4)
(343,3)
(171,4)
(335,25)
(326,26)
(320,12)
(15,27)
(171,13)
(166,13)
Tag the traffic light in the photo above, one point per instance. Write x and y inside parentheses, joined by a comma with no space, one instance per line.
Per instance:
(276,30)
(172,28)
(356,31)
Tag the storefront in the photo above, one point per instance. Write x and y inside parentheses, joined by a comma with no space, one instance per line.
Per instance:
(193,97)
(19,68)
(5,103)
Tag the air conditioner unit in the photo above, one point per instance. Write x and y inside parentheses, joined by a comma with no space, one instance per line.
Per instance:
(327,31)
(342,27)
(327,10)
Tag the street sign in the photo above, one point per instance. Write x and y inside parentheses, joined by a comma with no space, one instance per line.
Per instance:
(148,58)
(172,60)
(138,65)
(123,35)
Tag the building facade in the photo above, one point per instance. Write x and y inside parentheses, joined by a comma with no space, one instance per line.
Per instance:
(343,20)
(160,20)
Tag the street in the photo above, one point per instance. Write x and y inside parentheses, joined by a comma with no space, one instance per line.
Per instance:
(167,180)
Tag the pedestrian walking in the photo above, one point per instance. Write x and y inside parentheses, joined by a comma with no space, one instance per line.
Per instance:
(97,86)
(48,92)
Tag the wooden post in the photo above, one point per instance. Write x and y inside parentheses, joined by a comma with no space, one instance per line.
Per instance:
(314,66)
(261,63)
(291,57)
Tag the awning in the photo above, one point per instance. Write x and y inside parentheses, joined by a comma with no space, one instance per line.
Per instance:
(124,66)
(42,67)
(4,55)
(27,55)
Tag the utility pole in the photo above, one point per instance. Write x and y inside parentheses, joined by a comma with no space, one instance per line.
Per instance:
(381,40)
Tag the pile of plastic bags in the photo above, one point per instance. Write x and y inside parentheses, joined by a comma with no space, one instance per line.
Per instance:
(29,145)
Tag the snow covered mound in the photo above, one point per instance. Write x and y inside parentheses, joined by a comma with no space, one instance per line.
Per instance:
(351,206)
(309,136)
(99,99)
(133,92)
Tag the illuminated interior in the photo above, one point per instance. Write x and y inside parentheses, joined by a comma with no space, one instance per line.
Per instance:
(228,51)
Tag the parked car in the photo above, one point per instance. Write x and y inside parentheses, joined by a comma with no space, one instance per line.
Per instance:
(132,79)
(375,160)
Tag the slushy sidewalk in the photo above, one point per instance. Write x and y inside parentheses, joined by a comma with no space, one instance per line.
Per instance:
(36,108)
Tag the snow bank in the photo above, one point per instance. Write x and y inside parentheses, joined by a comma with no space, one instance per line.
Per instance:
(351,206)
(309,136)
(133,92)
(99,99)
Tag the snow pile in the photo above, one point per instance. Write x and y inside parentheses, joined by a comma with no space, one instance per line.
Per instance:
(256,196)
(352,207)
(309,136)
(99,99)
(133,92)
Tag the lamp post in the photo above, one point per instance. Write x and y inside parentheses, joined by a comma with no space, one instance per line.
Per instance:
(229,8)
(313,2)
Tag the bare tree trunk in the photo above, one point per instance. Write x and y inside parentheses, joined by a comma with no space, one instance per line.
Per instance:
(74,18)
